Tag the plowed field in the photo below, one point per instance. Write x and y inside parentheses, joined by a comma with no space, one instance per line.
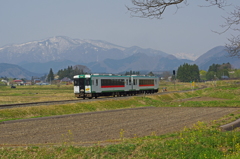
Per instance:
(107,125)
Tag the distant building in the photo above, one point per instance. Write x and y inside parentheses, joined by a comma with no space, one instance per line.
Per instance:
(35,81)
(28,82)
(224,77)
(18,82)
(66,80)
(5,81)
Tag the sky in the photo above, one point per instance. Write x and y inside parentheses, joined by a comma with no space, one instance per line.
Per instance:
(189,29)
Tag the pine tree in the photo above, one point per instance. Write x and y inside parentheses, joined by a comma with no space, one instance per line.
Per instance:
(187,73)
(50,76)
(150,74)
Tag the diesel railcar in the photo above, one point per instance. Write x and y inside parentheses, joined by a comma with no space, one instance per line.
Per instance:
(95,85)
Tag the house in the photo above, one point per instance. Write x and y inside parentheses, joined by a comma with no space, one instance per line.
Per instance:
(4,81)
(66,80)
(18,82)
(36,81)
(28,82)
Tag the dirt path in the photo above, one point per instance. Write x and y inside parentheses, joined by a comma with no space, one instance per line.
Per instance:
(93,127)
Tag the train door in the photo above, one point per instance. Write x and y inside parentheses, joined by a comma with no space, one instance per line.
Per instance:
(88,85)
(135,84)
(131,82)
(78,85)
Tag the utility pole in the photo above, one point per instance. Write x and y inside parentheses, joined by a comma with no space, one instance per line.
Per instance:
(174,79)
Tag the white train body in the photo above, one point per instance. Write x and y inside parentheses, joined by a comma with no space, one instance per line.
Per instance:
(90,85)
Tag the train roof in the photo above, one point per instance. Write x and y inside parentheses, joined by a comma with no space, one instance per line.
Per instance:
(110,75)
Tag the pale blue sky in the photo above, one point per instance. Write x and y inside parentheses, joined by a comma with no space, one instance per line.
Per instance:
(187,31)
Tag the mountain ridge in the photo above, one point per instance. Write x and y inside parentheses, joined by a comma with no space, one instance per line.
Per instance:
(59,47)
(15,71)
(216,55)
(100,56)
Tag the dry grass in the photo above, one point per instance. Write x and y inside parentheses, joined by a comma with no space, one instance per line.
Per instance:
(25,94)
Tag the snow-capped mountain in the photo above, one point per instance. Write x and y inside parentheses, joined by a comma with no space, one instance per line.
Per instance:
(99,56)
(58,48)
(186,56)
(65,48)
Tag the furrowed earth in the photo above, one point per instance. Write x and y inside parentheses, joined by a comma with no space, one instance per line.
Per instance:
(106,126)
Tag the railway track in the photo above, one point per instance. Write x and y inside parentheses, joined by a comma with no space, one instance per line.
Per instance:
(7,106)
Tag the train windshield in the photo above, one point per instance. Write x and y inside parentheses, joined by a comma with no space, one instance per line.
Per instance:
(79,82)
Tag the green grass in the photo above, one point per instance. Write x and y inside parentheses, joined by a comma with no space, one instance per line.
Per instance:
(43,111)
(203,140)
(231,96)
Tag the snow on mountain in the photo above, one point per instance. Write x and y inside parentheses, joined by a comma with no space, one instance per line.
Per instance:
(65,48)
(104,44)
(186,56)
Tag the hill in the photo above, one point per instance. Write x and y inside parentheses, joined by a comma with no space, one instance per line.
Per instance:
(15,71)
(217,55)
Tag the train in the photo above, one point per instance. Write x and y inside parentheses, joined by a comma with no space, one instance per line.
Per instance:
(96,85)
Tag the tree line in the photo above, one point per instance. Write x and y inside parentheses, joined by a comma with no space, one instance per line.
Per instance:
(184,73)
(68,72)
(188,73)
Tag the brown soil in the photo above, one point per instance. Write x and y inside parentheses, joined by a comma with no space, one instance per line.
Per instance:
(107,125)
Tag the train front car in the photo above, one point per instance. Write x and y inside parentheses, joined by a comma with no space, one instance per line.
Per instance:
(82,86)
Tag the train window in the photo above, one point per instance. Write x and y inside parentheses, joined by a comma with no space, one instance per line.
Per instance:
(76,82)
(127,82)
(87,81)
(92,82)
(134,81)
(81,81)
(96,82)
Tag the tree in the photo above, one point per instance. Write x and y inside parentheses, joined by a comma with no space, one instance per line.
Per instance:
(155,9)
(150,74)
(232,23)
(203,75)
(187,73)
(71,71)
(211,75)
(132,72)
(218,71)
(50,76)
(237,73)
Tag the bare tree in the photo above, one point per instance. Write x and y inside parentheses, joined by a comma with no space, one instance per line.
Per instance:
(155,9)
(232,23)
